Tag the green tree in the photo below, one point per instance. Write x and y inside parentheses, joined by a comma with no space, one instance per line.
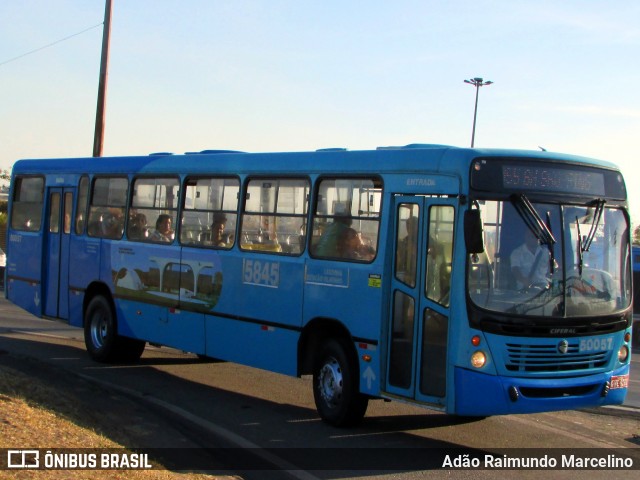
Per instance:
(636,236)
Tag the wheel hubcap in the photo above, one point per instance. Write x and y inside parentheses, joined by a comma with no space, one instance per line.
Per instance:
(330,382)
(99,330)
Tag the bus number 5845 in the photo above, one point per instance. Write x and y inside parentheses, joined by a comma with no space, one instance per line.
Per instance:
(257,272)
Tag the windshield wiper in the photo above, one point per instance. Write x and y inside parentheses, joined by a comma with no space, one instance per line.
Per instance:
(579,249)
(595,223)
(531,218)
(585,243)
(552,253)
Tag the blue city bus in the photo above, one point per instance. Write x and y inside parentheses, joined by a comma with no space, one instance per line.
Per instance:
(397,273)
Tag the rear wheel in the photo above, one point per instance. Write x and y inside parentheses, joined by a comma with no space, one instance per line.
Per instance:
(336,386)
(101,334)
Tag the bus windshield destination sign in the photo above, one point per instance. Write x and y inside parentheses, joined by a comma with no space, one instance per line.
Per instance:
(552,179)
(528,175)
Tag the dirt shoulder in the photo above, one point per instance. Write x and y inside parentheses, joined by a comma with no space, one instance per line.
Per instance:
(46,407)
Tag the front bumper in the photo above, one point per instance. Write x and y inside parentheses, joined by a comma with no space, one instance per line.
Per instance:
(483,395)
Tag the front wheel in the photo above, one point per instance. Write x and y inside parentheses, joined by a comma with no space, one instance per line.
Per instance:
(336,386)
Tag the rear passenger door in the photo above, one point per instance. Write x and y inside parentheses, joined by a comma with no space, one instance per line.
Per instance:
(57,239)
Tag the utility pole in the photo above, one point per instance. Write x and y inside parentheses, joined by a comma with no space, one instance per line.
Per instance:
(98,137)
(477,82)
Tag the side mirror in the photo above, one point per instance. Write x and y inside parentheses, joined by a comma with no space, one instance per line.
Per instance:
(473,232)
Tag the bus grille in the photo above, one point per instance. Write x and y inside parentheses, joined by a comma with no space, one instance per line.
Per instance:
(547,358)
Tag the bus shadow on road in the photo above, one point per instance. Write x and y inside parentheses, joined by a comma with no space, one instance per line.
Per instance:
(427,420)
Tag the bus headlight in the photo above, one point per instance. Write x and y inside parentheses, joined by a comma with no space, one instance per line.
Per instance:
(623,354)
(478,359)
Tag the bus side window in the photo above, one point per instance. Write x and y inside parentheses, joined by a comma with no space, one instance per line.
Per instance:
(83,200)
(28,200)
(347,219)
(153,210)
(209,212)
(108,203)
(274,215)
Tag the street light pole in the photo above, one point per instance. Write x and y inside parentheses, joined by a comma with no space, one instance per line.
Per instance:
(477,82)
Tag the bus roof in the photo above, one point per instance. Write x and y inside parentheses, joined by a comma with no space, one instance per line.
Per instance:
(410,158)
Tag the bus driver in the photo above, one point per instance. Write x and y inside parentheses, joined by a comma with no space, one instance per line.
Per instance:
(530,262)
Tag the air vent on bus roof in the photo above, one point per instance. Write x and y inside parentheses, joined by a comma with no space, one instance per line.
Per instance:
(426,145)
(415,145)
(156,154)
(335,149)
(211,152)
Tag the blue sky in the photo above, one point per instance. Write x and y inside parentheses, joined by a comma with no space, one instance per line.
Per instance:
(300,75)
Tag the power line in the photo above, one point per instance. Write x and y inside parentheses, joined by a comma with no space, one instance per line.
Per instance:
(50,44)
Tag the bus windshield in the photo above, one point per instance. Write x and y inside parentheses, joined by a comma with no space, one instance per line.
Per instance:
(551,260)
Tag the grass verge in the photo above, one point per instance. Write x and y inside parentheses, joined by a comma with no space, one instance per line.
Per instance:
(34,414)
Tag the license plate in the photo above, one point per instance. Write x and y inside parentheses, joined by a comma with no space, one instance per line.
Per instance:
(621,381)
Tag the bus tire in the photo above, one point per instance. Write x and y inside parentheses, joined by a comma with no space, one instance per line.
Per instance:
(100,330)
(336,386)
(101,335)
